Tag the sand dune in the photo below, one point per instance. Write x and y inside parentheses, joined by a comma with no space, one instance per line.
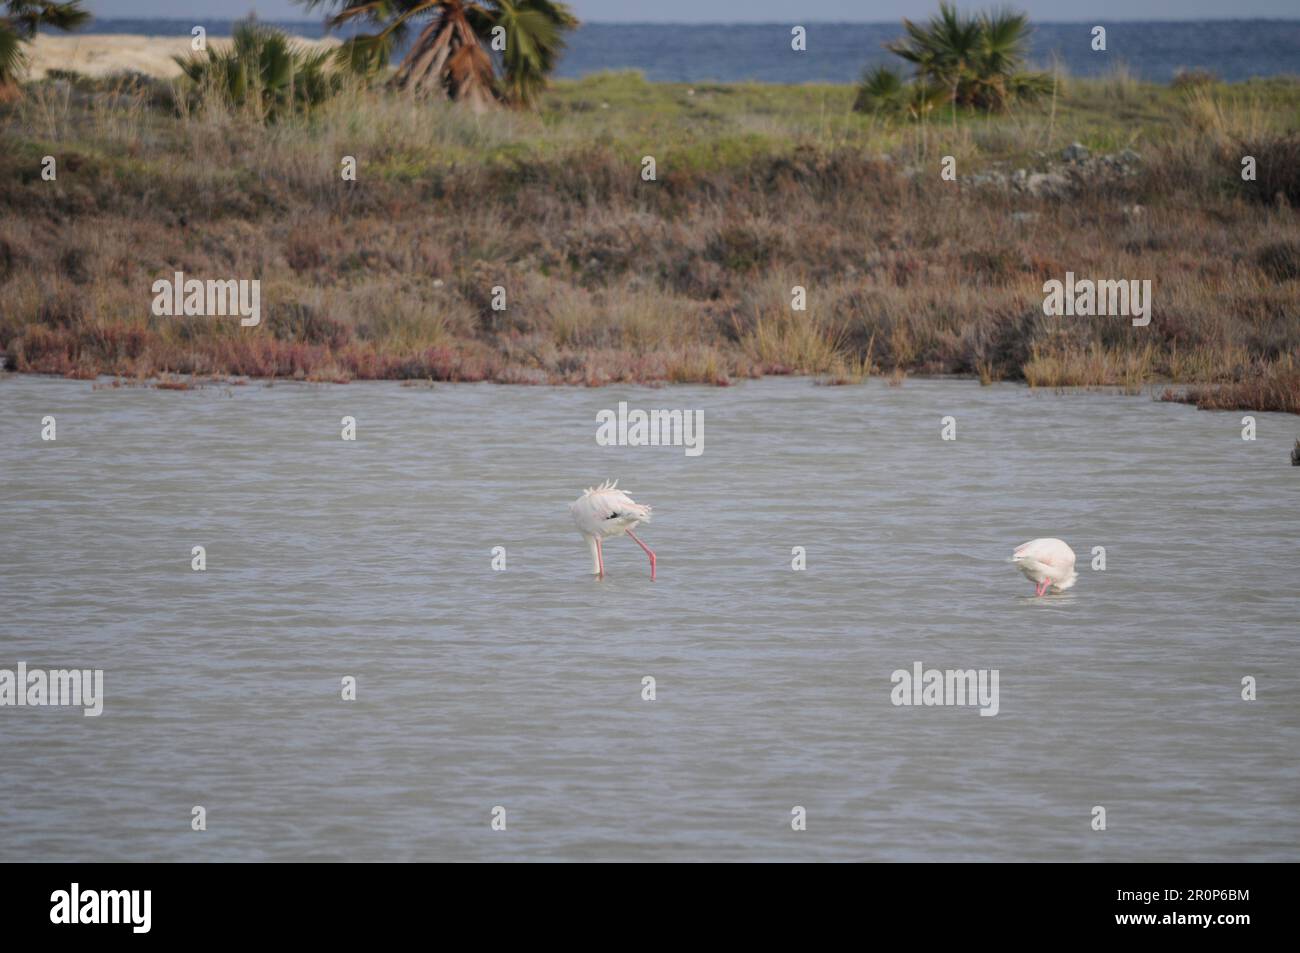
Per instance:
(102,55)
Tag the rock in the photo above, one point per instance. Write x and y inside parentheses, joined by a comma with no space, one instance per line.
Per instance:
(1075,152)
(1129,157)
(984,179)
(1048,185)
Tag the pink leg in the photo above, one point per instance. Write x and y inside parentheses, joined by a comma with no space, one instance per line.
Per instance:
(600,559)
(1041,588)
(648,551)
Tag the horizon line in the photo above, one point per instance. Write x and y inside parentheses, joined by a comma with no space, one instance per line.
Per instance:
(775,23)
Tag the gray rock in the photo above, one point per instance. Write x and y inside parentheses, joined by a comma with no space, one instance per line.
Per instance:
(1075,152)
(1048,185)
(988,179)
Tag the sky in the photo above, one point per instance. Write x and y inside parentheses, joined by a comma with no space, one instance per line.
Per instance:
(752,11)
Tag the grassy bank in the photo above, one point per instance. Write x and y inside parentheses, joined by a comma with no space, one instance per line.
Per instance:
(687,278)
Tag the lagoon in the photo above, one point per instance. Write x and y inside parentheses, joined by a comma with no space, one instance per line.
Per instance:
(522,688)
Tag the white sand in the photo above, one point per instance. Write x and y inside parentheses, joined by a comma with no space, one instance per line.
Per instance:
(101,55)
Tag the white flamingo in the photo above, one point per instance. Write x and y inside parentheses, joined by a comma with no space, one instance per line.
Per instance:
(1048,563)
(605,511)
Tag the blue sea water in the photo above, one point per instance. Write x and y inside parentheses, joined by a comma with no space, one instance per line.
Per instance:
(838,52)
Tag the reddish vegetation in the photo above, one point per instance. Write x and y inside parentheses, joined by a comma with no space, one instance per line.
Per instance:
(1276,387)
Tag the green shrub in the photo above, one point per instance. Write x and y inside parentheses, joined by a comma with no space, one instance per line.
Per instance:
(1277,168)
(262,71)
(1280,261)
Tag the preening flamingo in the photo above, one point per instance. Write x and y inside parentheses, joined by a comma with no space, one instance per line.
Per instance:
(1048,563)
(605,511)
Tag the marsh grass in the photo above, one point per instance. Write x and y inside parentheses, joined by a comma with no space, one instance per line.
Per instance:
(1093,366)
(1271,386)
(685,279)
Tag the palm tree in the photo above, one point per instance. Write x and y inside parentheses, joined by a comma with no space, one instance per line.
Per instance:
(999,56)
(262,70)
(451,54)
(18,27)
(943,50)
(976,58)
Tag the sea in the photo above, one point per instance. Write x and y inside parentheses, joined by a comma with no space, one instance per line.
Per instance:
(1234,50)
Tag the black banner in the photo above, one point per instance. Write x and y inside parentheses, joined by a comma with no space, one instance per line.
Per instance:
(183,902)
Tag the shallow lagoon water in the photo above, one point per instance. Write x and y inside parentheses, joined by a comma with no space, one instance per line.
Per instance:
(522,688)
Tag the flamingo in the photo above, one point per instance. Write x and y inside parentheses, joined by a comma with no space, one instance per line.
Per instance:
(1049,563)
(605,511)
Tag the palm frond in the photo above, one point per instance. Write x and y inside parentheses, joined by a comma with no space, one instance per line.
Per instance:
(881,91)
(21,24)
(534,35)
(13,57)
(451,53)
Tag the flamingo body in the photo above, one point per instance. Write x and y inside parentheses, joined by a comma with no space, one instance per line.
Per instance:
(606,511)
(1048,563)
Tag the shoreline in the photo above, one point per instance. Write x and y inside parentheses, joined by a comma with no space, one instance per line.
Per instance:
(1159,391)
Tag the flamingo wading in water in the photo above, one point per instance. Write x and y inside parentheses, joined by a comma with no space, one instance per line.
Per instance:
(1048,563)
(605,511)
